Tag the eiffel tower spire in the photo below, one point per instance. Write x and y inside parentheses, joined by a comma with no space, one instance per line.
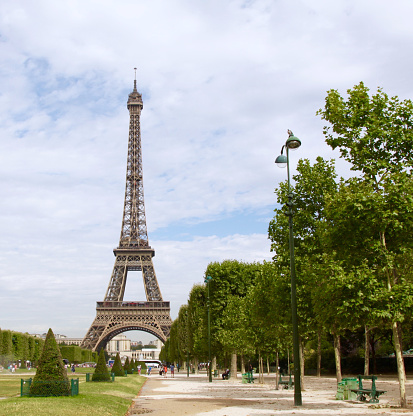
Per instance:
(134,253)
(134,232)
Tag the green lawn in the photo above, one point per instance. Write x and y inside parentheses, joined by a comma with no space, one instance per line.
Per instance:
(103,399)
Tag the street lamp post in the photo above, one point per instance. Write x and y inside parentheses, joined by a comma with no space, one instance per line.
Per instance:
(207,280)
(292,143)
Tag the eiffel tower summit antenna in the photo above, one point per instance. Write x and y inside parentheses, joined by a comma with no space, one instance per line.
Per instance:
(114,315)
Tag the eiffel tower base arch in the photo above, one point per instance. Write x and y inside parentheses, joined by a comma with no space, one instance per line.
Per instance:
(113,318)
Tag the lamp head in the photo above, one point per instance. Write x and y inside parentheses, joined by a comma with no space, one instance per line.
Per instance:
(292,142)
(207,279)
(281,161)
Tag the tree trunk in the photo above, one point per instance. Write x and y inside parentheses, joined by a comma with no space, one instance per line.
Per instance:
(302,365)
(392,278)
(337,355)
(268,366)
(195,362)
(214,363)
(233,368)
(288,362)
(366,351)
(242,364)
(401,372)
(319,353)
(277,370)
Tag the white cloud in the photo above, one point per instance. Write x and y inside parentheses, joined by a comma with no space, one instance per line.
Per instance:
(221,84)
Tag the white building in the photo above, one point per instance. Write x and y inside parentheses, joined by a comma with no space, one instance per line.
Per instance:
(118,344)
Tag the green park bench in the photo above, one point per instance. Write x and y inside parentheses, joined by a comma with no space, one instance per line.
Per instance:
(287,384)
(248,377)
(363,392)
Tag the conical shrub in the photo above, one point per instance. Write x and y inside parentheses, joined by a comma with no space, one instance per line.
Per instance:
(126,365)
(51,375)
(101,371)
(133,366)
(117,367)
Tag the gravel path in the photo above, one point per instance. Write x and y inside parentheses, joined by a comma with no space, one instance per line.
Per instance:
(196,396)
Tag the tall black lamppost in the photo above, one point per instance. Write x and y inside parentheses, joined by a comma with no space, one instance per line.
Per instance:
(292,143)
(207,280)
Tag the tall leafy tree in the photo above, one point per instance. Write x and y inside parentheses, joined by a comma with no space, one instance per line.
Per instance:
(311,186)
(183,333)
(7,346)
(375,134)
(230,278)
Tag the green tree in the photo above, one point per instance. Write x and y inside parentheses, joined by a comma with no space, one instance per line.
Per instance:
(101,372)
(31,348)
(183,333)
(6,347)
(51,376)
(375,134)
(117,367)
(229,278)
(311,186)
(197,324)
(127,367)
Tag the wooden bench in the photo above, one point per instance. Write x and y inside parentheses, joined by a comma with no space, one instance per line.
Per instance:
(288,384)
(363,392)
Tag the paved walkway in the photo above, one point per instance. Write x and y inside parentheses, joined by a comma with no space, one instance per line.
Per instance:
(196,396)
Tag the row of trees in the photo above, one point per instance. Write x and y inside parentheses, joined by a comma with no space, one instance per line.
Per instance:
(353,249)
(18,346)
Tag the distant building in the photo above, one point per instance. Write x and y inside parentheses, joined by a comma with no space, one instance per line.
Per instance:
(118,344)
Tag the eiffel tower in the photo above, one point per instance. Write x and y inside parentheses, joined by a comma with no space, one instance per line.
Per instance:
(114,315)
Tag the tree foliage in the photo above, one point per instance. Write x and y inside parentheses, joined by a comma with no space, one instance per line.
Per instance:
(51,376)
(117,367)
(101,372)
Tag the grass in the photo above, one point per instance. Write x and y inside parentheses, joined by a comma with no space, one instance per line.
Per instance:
(103,399)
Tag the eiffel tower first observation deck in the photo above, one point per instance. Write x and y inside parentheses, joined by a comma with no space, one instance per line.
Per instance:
(114,315)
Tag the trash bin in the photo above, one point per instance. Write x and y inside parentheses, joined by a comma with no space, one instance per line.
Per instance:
(352,383)
(344,388)
(340,390)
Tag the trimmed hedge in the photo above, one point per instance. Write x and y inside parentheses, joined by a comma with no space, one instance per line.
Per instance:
(51,376)
(101,371)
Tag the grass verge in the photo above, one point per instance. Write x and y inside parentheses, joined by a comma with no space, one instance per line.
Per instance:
(103,399)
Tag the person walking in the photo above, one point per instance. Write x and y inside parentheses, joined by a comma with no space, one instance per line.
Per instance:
(172,368)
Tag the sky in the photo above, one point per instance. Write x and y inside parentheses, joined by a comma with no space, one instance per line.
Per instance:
(221,81)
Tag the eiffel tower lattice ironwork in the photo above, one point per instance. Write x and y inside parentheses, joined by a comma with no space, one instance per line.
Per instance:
(114,315)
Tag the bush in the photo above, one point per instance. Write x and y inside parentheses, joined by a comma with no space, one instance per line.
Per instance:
(101,371)
(51,376)
(126,366)
(73,353)
(117,367)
